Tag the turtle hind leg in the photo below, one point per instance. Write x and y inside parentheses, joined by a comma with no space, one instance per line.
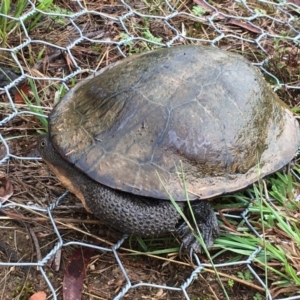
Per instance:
(207,223)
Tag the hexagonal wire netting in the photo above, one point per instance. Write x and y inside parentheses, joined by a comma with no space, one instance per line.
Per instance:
(244,17)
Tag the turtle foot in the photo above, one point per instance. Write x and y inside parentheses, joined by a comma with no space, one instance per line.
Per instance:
(207,224)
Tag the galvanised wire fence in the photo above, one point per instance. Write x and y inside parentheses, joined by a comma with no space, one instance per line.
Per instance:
(112,29)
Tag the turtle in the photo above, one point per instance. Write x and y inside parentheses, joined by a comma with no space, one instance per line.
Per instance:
(188,122)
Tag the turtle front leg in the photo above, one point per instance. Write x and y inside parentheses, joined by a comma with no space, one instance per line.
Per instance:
(207,224)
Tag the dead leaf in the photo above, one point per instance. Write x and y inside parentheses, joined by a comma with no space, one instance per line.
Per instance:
(293,9)
(296,2)
(6,189)
(244,25)
(75,273)
(21,94)
(38,296)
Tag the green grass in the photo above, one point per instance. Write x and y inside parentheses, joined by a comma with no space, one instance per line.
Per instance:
(34,105)
(34,101)
(17,8)
(198,11)
(13,8)
(274,214)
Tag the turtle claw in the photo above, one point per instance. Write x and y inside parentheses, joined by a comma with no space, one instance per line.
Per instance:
(207,224)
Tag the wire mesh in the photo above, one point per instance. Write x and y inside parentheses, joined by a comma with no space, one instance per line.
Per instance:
(128,25)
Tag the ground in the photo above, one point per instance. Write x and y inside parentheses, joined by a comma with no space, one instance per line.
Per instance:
(28,234)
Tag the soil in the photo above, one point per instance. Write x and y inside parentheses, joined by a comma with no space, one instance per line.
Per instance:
(29,236)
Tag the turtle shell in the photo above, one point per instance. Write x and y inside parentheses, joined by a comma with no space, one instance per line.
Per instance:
(201,113)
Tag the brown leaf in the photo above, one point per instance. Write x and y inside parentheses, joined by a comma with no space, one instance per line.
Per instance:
(21,93)
(293,9)
(75,273)
(244,25)
(296,2)
(6,189)
(38,296)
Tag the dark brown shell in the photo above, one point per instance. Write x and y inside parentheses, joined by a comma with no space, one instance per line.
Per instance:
(192,109)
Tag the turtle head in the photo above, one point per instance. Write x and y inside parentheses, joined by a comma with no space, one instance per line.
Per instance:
(68,174)
(47,151)
(53,159)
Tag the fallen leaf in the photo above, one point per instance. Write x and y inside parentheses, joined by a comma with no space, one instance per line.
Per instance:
(294,8)
(38,296)
(244,25)
(296,2)
(22,92)
(6,189)
(75,273)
